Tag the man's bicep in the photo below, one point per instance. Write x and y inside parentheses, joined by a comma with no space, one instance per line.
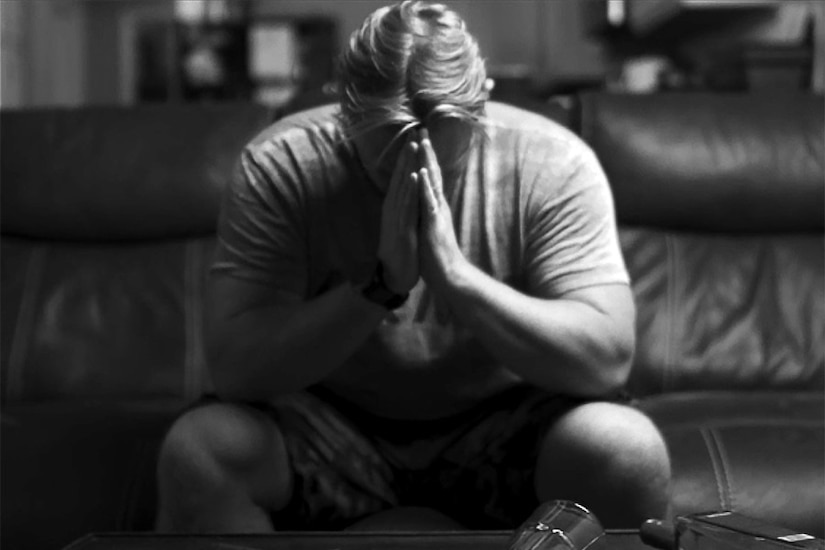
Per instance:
(229,296)
(260,235)
(614,301)
(241,316)
(611,314)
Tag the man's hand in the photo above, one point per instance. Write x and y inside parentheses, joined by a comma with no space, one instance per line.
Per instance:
(398,243)
(438,248)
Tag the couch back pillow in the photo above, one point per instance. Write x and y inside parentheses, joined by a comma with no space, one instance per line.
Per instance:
(108,219)
(721,203)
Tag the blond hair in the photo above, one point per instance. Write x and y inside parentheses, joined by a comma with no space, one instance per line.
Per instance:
(407,63)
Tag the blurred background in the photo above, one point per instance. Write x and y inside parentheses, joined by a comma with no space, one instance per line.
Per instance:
(123,52)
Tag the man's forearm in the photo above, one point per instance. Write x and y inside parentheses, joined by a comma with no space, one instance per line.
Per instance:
(561,345)
(272,350)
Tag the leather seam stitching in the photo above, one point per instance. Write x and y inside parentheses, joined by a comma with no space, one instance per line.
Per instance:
(724,461)
(130,493)
(757,423)
(198,354)
(25,318)
(667,374)
(188,362)
(710,445)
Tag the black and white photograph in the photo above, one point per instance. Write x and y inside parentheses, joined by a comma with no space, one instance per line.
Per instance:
(412,274)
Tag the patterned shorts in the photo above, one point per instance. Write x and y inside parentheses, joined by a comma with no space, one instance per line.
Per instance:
(476,468)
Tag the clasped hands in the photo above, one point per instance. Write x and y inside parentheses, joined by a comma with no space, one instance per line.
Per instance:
(417,236)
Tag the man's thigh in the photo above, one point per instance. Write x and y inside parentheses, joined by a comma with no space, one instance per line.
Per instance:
(485,477)
(339,475)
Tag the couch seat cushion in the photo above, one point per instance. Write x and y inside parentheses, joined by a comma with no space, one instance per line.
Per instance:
(758,453)
(73,468)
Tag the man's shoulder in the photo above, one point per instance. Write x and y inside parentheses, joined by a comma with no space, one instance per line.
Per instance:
(534,138)
(319,124)
(520,122)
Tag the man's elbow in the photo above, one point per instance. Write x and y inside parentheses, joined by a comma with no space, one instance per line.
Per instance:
(614,363)
(239,374)
(228,380)
(224,381)
(604,364)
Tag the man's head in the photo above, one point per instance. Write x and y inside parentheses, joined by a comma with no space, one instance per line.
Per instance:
(411,64)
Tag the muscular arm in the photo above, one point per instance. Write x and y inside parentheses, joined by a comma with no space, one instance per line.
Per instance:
(265,340)
(263,343)
(578,341)
(581,343)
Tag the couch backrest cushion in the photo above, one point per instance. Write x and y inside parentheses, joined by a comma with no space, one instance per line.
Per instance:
(104,320)
(108,219)
(721,200)
(120,173)
(712,162)
(726,312)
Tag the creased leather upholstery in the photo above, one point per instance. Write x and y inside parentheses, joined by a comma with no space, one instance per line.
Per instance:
(712,162)
(115,174)
(70,468)
(727,311)
(111,320)
(721,200)
(108,219)
(759,453)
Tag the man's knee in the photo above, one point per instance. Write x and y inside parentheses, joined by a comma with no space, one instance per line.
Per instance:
(219,445)
(609,444)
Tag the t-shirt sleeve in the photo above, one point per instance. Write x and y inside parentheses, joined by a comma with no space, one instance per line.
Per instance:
(260,235)
(571,239)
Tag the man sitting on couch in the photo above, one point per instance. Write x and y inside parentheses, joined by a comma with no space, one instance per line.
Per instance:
(418,299)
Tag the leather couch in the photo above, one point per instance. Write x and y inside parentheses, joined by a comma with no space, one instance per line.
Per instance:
(108,219)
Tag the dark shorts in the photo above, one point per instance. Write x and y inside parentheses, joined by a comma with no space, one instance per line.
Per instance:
(476,467)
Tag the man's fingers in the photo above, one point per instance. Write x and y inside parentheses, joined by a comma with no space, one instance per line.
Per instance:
(403,166)
(429,161)
(398,199)
(408,214)
(407,192)
(429,200)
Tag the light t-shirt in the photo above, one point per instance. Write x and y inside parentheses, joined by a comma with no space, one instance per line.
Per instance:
(532,209)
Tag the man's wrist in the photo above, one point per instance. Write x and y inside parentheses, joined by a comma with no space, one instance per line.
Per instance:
(378,292)
(387,279)
(454,275)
